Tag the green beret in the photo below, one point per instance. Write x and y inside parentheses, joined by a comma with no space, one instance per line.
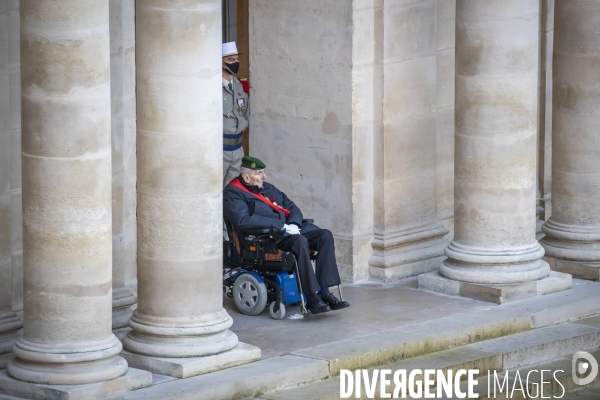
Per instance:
(252,163)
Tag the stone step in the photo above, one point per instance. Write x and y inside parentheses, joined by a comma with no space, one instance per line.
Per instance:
(581,270)
(557,384)
(394,345)
(238,382)
(449,332)
(506,353)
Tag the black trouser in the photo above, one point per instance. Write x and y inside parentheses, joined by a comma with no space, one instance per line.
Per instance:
(326,273)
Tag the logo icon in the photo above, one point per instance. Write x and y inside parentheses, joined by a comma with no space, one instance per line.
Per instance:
(253,165)
(580,367)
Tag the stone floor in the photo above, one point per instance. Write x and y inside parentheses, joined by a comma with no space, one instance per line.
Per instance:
(374,307)
(382,318)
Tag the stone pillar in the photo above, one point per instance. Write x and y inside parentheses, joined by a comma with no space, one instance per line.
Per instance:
(179,160)
(9,321)
(122,82)
(495,162)
(494,255)
(408,237)
(573,231)
(65,80)
(544,181)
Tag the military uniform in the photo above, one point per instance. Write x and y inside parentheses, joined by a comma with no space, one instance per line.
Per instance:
(247,211)
(235,121)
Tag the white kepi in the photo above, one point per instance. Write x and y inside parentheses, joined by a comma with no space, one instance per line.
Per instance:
(229,48)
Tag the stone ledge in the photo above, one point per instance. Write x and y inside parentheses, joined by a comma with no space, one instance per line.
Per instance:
(239,382)
(186,367)
(498,294)
(132,380)
(405,270)
(578,269)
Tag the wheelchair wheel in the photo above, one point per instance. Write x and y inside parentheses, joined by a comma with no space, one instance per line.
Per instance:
(280,313)
(249,295)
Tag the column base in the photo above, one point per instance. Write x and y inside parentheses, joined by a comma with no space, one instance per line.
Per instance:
(10,324)
(578,269)
(407,252)
(67,364)
(494,266)
(571,242)
(178,338)
(495,293)
(122,303)
(185,367)
(132,380)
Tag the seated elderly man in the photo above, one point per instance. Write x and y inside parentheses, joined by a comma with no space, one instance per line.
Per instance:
(249,202)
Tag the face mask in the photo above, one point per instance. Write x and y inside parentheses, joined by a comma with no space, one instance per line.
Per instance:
(233,67)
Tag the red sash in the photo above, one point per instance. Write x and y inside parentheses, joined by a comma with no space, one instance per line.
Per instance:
(236,182)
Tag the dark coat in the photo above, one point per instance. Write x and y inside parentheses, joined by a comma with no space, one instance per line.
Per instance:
(245,211)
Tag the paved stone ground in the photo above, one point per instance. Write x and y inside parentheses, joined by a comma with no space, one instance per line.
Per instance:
(383,319)
(374,307)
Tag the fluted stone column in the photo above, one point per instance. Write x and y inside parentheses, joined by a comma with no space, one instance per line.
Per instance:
(573,230)
(495,160)
(65,80)
(179,149)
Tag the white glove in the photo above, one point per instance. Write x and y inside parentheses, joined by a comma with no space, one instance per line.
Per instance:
(291,229)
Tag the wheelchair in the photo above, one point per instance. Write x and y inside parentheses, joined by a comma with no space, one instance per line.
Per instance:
(256,272)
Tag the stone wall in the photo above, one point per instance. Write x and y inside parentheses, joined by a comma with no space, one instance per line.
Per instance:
(301,105)
(352,107)
(444,126)
(11,242)
(123,135)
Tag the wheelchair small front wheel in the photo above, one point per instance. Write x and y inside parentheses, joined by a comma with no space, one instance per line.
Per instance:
(249,295)
(280,313)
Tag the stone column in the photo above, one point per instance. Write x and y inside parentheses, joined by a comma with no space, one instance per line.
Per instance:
(65,80)
(9,321)
(573,230)
(495,163)
(179,163)
(495,156)
(122,82)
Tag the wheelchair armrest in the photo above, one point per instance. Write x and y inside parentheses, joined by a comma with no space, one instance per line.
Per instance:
(272,232)
(255,231)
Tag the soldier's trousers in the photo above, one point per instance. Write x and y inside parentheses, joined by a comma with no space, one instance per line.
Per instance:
(326,272)
(232,161)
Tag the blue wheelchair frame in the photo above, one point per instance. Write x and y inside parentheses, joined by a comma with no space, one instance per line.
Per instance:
(255,252)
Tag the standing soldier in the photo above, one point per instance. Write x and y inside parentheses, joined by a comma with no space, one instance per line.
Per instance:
(235,113)
(235,119)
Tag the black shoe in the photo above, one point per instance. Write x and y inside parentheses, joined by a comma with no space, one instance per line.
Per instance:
(334,303)
(315,305)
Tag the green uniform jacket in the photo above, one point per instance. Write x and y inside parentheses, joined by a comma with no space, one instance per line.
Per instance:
(235,109)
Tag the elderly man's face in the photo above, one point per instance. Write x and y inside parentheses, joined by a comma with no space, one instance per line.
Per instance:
(255,178)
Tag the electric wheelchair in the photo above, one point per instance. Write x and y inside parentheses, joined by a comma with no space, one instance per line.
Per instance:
(256,272)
